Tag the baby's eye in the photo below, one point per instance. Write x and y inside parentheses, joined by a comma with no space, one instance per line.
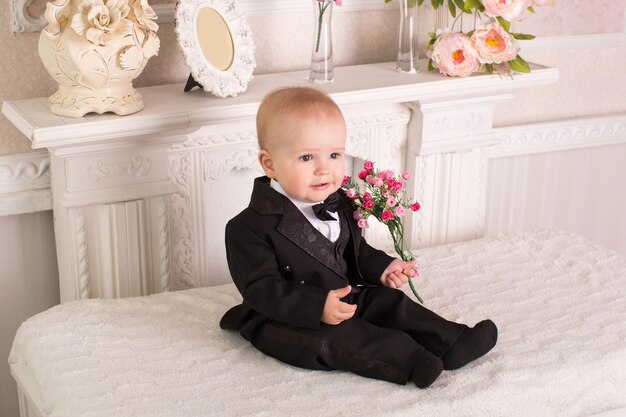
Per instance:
(306,158)
(335,155)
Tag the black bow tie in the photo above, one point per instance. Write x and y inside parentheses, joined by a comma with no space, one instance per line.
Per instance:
(321,210)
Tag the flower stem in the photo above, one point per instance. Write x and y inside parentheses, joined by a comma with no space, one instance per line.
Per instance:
(319,23)
(397,234)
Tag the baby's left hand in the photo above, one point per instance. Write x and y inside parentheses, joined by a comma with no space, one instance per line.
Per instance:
(398,273)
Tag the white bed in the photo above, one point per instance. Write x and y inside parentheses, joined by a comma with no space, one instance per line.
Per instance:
(559,302)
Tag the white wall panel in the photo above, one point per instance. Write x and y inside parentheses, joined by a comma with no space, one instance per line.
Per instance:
(579,190)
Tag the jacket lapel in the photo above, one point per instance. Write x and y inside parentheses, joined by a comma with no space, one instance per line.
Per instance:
(293,225)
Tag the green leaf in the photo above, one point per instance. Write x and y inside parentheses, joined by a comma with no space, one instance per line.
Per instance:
(530,9)
(461,5)
(431,67)
(522,36)
(519,64)
(412,3)
(387,1)
(436,3)
(489,68)
(472,4)
(452,8)
(506,25)
(419,2)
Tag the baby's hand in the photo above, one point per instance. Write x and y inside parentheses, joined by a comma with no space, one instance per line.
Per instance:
(335,310)
(398,273)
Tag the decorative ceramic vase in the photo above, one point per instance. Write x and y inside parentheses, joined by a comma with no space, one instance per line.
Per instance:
(408,55)
(322,68)
(94,49)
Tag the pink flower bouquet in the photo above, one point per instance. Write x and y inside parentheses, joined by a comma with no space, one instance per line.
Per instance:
(491,45)
(385,199)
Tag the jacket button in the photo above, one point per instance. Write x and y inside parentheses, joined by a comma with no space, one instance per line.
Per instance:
(301,282)
(287,268)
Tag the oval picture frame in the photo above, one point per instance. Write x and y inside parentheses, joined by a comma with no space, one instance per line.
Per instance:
(204,29)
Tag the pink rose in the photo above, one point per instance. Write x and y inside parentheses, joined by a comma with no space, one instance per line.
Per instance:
(507,9)
(351,193)
(338,2)
(358,215)
(391,202)
(378,182)
(368,204)
(397,185)
(387,215)
(493,44)
(399,211)
(415,206)
(346,179)
(367,196)
(370,179)
(368,165)
(362,223)
(454,54)
(363,175)
(386,174)
(406,176)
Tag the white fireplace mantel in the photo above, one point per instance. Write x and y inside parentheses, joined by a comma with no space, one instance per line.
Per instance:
(140,201)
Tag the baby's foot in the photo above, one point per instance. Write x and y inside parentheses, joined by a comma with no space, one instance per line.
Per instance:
(472,344)
(427,368)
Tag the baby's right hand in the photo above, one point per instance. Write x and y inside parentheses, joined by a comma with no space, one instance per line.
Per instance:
(335,310)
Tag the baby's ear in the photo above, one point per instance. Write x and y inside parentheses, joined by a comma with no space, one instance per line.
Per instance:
(265,159)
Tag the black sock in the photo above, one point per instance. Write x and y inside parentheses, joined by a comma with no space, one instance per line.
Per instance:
(472,344)
(427,368)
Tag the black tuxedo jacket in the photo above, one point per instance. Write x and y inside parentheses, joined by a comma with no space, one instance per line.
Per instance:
(278,262)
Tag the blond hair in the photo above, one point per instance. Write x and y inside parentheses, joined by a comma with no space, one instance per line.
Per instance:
(280,107)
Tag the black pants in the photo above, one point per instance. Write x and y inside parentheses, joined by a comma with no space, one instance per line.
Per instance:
(383,340)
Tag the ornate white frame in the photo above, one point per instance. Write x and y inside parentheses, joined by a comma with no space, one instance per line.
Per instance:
(221,83)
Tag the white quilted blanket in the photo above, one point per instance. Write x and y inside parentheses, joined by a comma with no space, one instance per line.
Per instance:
(559,302)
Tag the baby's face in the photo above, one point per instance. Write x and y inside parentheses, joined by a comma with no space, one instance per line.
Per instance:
(309,162)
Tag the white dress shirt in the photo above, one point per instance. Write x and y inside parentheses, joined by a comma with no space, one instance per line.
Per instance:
(329,228)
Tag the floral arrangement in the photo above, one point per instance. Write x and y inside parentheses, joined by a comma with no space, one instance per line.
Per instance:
(386,200)
(322,6)
(490,45)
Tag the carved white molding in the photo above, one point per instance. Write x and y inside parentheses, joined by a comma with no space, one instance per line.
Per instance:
(81,253)
(163,242)
(138,166)
(24,171)
(218,164)
(198,140)
(559,136)
(182,247)
(25,183)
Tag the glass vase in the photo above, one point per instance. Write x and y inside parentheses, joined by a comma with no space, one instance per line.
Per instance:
(322,68)
(408,55)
